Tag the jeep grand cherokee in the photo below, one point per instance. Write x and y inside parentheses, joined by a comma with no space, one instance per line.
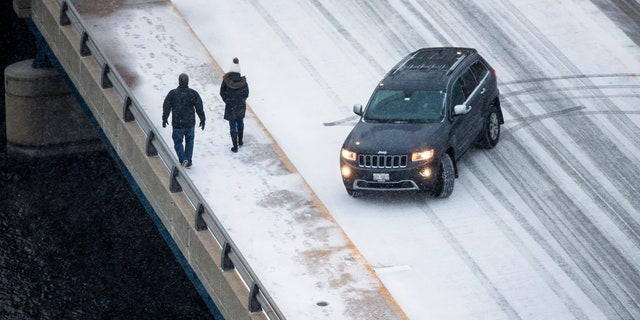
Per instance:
(429,109)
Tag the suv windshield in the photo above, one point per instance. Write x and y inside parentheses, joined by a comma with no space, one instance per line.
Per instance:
(398,105)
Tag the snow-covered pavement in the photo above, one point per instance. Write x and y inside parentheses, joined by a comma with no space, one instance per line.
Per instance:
(544,226)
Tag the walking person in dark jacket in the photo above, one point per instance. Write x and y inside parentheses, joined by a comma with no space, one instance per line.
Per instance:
(184,103)
(234,91)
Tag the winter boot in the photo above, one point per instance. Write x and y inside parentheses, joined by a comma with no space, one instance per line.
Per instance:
(240,134)
(234,140)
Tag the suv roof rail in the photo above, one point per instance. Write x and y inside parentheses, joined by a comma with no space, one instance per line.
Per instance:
(399,66)
(455,64)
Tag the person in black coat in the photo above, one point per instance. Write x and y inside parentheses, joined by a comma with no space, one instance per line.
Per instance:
(183,102)
(234,91)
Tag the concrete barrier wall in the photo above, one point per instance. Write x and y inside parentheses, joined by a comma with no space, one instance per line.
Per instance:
(151,174)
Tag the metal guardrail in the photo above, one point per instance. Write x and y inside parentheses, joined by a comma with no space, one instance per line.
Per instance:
(231,258)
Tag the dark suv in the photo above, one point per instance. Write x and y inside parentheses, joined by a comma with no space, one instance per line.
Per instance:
(423,116)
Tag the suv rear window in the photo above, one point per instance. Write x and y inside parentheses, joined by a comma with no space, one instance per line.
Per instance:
(398,105)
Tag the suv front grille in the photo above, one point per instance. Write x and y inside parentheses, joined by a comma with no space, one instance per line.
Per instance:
(382,161)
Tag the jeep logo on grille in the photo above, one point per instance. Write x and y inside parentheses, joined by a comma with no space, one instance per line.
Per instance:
(382,152)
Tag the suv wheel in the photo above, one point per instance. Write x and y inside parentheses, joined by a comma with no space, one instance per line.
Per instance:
(491,132)
(447,177)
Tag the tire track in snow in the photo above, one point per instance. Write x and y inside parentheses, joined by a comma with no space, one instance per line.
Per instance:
(502,39)
(568,112)
(591,97)
(625,14)
(585,231)
(469,261)
(445,25)
(625,173)
(428,25)
(603,264)
(516,240)
(570,77)
(574,88)
(347,36)
(293,49)
(620,306)
(611,107)
(382,20)
(588,231)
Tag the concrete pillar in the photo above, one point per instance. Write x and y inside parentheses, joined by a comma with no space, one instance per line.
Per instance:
(43,117)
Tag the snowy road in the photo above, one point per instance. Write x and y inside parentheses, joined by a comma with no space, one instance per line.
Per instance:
(544,226)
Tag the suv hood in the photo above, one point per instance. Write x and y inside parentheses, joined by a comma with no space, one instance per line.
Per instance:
(395,138)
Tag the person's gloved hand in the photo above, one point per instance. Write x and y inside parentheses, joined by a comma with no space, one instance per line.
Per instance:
(164,123)
(202,124)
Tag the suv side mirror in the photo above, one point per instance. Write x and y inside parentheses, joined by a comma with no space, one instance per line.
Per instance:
(357,109)
(461,109)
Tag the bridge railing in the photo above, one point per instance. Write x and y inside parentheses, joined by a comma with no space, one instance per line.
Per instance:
(204,219)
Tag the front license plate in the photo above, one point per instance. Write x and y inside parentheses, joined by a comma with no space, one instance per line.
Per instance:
(381,177)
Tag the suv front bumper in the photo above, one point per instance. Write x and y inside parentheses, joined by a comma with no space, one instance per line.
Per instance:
(410,178)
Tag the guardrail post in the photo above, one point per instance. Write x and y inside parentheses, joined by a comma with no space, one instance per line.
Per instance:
(126,110)
(64,18)
(254,304)
(200,223)
(174,185)
(84,48)
(226,263)
(106,83)
(150,149)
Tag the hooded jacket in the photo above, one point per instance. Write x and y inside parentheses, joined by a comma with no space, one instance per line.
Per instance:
(182,102)
(234,91)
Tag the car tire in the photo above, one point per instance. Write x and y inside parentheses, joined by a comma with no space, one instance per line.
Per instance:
(447,177)
(354,193)
(491,133)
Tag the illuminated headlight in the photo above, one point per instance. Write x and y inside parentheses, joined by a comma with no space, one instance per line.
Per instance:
(346,171)
(422,155)
(348,154)
(426,172)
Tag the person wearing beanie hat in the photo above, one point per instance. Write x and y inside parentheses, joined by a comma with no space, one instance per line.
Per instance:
(235,66)
(234,91)
(183,103)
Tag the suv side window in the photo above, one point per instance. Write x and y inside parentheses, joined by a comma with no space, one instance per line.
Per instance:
(457,95)
(468,82)
(479,70)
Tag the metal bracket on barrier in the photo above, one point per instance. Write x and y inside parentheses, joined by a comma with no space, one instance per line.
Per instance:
(64,18)
(106,83)
(150,149)
(200,223)
(174,185)
(84,48)
(254,304)
(126,110)
(226,263)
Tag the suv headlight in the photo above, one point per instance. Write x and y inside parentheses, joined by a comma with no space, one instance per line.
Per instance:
(348,154)
(422,155)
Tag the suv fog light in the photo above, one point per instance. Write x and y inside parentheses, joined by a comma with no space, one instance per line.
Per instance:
(346,171)
(426,172)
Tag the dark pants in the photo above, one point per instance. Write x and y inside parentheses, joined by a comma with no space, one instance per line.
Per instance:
(235,125)
(184,152)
